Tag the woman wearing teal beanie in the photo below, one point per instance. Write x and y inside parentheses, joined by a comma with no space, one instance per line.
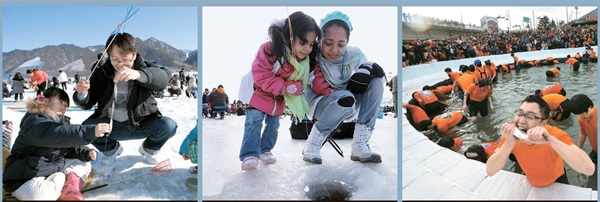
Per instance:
(344,85)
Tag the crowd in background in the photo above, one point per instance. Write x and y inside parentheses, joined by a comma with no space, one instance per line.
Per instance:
(482,44)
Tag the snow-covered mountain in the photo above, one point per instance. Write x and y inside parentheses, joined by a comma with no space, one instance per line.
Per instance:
(55,57)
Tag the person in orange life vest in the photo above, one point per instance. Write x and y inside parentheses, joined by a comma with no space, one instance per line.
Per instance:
(548,61)
(560,106)
(552,72)
(480,72)
(593,56)
(451,74)
(481,152)
(447,122)
(504,68)
(444,89)
(478,96)
(491,67)
(416,117)
(441,95)
(554,88)
(527,64)
(542,152)
(427,100)
(573,62)
(516,62)
(588,122)
(453,144)
(464,81)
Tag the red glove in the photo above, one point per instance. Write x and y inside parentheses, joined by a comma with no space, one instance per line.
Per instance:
(292,88)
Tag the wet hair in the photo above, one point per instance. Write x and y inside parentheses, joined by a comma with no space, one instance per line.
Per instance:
(483,82)
(426,87)
(446,142)
(447,69)
(472,68)
(538,92)
(512,54)
(568,56)
(544,107)
(338,23)
(57,92)
(423,125)
(125,43)
(463,68)
(549,73)
(479,150)
(488,62)
(580,103)
(301,24)
(558,68)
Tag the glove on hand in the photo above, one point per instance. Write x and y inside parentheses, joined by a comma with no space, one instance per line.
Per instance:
(292,88)
(377,71)
(359,81)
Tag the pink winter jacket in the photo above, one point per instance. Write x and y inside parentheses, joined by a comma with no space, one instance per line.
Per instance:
(319,84)
(267,95)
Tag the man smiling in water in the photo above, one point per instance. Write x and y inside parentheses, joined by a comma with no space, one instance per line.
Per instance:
(541,153)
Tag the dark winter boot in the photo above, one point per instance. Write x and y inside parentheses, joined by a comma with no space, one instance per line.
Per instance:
(72,189)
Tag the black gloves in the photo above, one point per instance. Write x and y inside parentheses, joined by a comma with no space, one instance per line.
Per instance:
(377,71)
(359,81)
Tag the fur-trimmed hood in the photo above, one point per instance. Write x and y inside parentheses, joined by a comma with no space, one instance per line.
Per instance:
(35,106)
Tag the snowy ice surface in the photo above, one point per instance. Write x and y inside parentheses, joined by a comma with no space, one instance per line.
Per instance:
(129,178)
(223,179)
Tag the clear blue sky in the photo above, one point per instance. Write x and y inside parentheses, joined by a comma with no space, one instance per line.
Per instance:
(27,28)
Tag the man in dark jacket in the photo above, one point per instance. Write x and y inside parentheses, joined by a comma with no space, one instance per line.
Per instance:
(134,112)
(218,101)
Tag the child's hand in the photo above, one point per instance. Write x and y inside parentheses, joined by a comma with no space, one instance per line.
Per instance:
(293,88)
(185,156)
(102,128)
(93,155)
